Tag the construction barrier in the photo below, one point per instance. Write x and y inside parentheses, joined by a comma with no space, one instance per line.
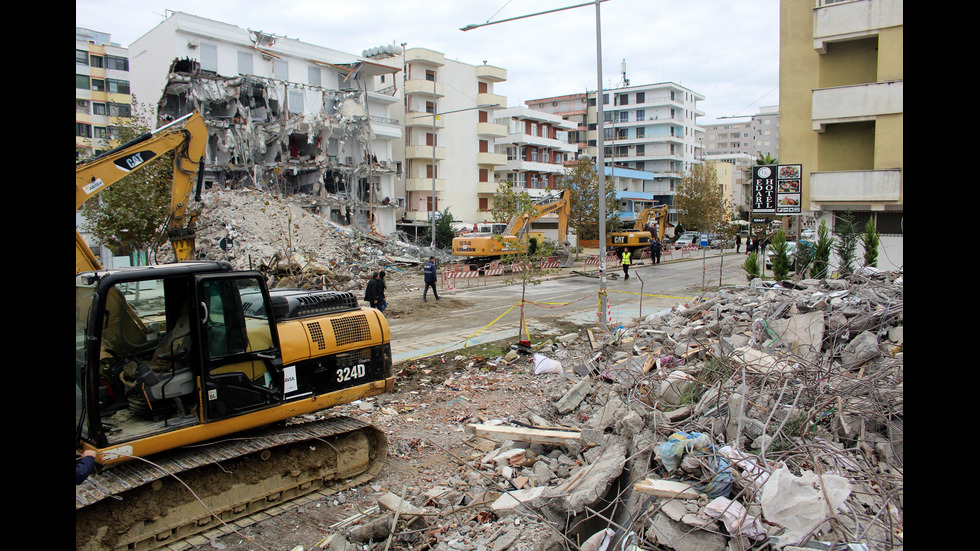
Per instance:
(550,263)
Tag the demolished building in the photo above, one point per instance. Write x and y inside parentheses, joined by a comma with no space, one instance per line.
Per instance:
(327,135)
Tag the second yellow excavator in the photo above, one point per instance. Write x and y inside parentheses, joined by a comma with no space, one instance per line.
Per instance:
(484,248)
(639,238)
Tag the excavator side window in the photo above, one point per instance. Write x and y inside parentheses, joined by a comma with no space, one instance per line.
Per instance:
(239,347)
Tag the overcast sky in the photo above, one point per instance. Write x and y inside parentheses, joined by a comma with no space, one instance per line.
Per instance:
(727,51)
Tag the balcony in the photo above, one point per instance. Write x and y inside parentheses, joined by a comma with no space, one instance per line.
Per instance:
(848,20)
(425,152)
(494,159)
(856,103)
(425,88)
(427,57)
(415,118)
(486,187)
(861,186)
(491,73)
(491,99)
(424,184)
(491,130)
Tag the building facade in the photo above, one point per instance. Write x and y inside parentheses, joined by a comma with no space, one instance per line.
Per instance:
(756,137)
(536,146)
(282,114)
(102,91)
(841,111)
(450,132)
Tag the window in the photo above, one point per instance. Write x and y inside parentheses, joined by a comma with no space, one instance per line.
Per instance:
(641,132)
(624,116)
(116,86)
(484,175)
(95,61)
(640,97)
(624,99)
(116,63)
(98,85)
(209,58)
(83,130)
(280,69)
(641,115)
(120,110)
(295,101)
(81,57)
(314,75)
(82,82)
(101,132)
(99,108)
(244,63)
(484,203)
(430,75)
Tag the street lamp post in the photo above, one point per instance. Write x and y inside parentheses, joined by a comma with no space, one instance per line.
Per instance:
(600,153)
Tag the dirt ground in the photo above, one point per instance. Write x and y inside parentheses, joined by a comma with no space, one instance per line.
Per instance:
(423,419)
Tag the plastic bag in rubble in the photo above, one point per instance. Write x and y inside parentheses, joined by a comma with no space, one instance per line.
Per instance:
(679,444)
(737,519)
(544,364)
(797,503)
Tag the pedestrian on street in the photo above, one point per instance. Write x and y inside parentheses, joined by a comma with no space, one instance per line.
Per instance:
(627,260)
(430,278)
(382,302)
(658,247)
(371,291)
(738,242)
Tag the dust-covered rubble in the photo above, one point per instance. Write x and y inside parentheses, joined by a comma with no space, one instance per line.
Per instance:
(287,239)
(767,417)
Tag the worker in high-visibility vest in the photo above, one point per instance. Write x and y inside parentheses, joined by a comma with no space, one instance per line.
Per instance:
(627,259)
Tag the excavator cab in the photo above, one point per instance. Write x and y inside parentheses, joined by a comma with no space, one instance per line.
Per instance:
(166,348)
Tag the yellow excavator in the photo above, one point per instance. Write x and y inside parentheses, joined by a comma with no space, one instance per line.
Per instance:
(477,248)
(201,390)
(639,238)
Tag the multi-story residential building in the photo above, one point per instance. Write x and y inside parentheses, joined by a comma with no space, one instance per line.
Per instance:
(102,91)
(282,114)
(841,111)
(574,109)
(450,131)
(757,136)
(649,128)
(536,146)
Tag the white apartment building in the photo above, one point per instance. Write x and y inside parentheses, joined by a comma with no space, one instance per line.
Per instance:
(536,146)
(450,132)
(102,91)
(282,114)
(757,136)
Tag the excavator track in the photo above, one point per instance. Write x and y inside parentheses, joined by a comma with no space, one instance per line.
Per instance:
(156,503)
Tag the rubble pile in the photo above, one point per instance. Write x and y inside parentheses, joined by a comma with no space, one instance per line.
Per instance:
(769,417)
(296,247)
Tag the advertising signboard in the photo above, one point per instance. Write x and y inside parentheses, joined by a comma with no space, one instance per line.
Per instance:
(777,189)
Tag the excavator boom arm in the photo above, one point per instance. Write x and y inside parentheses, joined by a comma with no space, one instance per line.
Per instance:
(186,136)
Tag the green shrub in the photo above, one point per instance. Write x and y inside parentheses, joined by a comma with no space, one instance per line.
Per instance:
(751,267)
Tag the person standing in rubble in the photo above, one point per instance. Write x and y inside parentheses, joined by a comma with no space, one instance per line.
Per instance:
(382,302)
(371,291)
(430,278)
(627,260)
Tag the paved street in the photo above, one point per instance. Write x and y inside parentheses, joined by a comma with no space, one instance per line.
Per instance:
(490,309)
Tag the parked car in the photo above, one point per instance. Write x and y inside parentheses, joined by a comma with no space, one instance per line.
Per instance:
(808,235)
(686,240)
